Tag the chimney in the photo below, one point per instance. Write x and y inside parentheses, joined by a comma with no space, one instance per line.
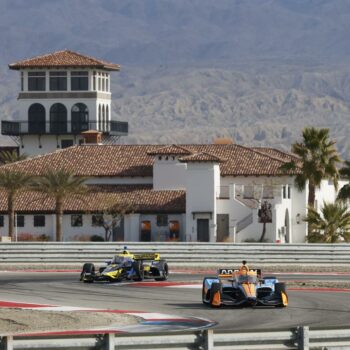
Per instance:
(93,137)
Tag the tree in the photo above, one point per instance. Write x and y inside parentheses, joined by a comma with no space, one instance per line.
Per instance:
(13,182)
(60,185)
(265,216)
(344,193)
(7,157)
(331,226)
(113,215)
(318,160)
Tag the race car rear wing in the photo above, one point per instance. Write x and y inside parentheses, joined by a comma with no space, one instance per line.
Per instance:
(228,273)
(147,256)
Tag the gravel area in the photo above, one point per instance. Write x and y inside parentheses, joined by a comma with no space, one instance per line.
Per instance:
(17,321)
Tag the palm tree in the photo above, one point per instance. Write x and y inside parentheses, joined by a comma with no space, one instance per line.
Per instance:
(333,225)
(344,193)
(7,157)
(13,182)
(318,160)
(59,185)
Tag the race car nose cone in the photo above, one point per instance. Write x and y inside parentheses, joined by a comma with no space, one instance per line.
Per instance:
(251,301)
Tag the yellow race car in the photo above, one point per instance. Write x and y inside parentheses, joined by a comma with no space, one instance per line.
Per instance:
(127,266)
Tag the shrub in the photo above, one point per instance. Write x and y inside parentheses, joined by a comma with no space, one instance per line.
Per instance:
(96,238)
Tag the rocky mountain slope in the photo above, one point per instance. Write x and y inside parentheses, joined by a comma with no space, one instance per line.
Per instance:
(258,71)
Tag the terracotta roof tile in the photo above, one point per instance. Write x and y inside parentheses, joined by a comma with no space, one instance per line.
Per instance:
(273,152)
(142,199)
(64,59)
(134,160)
(170,150)
(201,157)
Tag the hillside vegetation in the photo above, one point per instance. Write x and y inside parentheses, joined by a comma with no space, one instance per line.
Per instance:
(258,71)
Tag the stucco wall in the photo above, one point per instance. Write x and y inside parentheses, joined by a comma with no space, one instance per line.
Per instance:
(169,174)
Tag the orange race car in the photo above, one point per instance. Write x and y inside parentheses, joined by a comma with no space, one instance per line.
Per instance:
(243,287)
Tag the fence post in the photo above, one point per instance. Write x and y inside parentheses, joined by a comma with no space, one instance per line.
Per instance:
(208,339)
(303,338)
(6,343)
(109,343)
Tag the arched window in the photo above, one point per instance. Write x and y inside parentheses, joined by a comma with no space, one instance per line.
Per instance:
(36,119)
(99,118)
(80,117)
(58,118)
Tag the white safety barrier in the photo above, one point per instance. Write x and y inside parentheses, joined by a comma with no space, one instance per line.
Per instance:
(301,338)
(177,253)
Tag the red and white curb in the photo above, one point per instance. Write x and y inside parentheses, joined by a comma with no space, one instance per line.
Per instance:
(150,321)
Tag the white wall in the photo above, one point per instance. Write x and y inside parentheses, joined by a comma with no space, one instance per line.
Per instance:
(29,226)
(169,174)
(161,233)
(31,143)
(202,180)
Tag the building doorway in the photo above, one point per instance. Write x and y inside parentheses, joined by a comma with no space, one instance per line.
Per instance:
(203,230)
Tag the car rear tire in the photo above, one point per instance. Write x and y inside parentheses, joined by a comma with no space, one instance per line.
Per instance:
(137,265)
(215,287)
(87,268)
(165,273)
(280,287)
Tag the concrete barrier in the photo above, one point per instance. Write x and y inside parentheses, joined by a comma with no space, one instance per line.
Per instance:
(178,254)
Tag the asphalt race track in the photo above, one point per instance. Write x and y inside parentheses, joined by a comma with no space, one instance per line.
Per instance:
(314,308)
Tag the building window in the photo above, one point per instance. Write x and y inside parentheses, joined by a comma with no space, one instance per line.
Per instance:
(80,117)
(20,221)
(162,220)
(284,189)
(39,220)
(289,192)
(77,220)
(97,220)
(36,119)
(1,220)
(79,81)
(36,81)
(58,81)
(94,81)
(58,118)
(22,81)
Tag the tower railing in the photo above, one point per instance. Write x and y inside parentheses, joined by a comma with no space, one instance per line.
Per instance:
(21,127)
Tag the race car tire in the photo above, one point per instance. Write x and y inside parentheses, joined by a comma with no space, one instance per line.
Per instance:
(215,287)
(137,265)
(165,273)
(204,297)
(87,268)
(280,287)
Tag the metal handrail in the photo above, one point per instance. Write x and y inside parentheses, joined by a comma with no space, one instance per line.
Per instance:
(23,127)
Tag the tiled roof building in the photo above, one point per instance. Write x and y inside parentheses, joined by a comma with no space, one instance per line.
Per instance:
(64,59)
(137,160)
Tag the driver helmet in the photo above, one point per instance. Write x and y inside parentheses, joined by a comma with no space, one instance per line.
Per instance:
(244,268)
